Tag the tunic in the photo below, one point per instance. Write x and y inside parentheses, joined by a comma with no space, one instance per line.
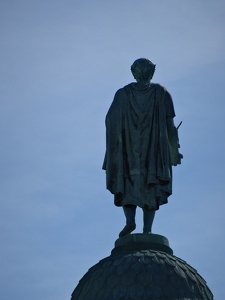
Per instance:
(137,160)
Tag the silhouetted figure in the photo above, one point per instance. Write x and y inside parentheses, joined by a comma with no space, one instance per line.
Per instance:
(141,146)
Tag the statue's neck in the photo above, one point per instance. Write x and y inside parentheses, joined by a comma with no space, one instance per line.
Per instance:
(144,83)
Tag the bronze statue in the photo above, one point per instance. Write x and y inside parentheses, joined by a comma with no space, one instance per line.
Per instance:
(141,146)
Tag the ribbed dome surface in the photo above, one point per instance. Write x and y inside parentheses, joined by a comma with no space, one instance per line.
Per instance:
(141,275)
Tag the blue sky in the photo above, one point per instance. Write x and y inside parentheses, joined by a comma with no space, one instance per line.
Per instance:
(61,64)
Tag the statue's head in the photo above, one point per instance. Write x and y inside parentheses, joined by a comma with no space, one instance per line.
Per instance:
(143,70)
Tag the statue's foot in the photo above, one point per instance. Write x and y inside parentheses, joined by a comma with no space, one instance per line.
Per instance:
(127,229)
(147,232)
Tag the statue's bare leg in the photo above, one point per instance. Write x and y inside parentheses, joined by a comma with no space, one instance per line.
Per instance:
(148,220)
(129,211)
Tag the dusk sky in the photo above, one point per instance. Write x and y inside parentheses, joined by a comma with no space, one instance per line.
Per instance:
(61,64)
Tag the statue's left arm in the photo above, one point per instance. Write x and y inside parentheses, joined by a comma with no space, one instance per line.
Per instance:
(172,131)
(174,145)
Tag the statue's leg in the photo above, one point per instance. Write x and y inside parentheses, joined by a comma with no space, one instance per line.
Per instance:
(148,220)
(129,211)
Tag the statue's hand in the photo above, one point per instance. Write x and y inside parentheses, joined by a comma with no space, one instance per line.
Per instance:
(176,158)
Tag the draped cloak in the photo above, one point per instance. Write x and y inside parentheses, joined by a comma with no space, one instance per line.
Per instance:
(137,159)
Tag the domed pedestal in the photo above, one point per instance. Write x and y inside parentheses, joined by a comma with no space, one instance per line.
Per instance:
(140,241)
(142,267)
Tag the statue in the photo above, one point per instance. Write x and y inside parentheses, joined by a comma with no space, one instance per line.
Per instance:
(142,145)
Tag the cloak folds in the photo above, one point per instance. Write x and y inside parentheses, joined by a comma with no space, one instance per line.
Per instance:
(137,160)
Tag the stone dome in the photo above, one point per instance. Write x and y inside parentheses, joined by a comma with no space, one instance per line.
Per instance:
(142,267)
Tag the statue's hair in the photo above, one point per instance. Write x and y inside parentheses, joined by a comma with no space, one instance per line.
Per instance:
(143,69)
